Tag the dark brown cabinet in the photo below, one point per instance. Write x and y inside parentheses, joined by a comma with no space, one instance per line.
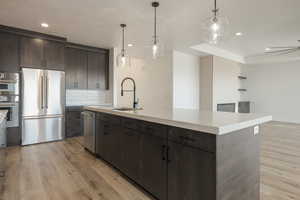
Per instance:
(191,173)
(111,144)
(54,53)
(168,162)
(9,52)
(86,69)
(32,53)
(38,53)
(97,70)
(130,153)
(73,121)
(76,68)
(153,169)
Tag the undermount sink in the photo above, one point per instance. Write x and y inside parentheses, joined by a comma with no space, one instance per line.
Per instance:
(126,109)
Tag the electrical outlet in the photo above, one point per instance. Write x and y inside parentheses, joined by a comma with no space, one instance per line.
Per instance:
(256,130)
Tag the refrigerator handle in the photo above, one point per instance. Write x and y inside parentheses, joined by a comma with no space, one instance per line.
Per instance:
(42,92)
(46,91)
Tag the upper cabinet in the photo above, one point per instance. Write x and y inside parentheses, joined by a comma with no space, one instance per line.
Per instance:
(31,52)
(42,54)
(9,52)
(54,55)
(76,69)
(86,68)
(97,70)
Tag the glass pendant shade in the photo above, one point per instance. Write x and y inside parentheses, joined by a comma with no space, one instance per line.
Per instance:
(123,60)
(215,29)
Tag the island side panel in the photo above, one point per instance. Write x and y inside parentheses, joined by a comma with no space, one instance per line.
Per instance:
(238,165)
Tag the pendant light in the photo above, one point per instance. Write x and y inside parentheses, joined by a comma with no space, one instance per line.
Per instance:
(123,59)
(156,46)
(215,26)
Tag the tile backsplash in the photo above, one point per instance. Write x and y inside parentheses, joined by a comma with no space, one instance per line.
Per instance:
(88,97)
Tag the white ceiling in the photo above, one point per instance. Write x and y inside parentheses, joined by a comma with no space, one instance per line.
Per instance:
(96,22)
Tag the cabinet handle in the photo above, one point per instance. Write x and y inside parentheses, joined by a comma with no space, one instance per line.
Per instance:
(187,138)
(163,152)
(128,133)
(106,126)
(106,133)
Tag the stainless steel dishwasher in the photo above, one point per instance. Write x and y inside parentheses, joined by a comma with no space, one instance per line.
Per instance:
(89,130)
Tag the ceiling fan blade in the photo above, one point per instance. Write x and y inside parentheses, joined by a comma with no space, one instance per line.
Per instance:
(287,47)
(279,53)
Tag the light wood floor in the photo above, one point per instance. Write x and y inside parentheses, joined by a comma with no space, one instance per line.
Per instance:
(64,170)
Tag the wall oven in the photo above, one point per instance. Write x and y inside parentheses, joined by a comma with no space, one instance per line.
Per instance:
(9,97)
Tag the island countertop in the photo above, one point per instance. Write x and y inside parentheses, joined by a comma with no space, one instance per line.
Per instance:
(217,123)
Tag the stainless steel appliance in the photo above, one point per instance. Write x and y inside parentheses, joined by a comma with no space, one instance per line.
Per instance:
(43,98)
(2,135)
(89,130)
(9,97)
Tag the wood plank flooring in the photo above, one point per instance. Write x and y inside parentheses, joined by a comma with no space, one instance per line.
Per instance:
(64,170)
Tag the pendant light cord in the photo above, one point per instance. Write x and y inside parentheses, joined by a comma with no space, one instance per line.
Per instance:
(155,37)
(123,41)
(215,10)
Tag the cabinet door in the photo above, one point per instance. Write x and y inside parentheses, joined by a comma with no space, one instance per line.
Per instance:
(153,169)
(73,124)
(130,153)
(99,136)
(111,147)
(32,53)
(76,69)
(9,53)
(97,70)
(54,55)
(191,173)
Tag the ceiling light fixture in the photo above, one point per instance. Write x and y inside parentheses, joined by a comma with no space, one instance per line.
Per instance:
(156,46)
(123,58)
(215,26)
(239,34)
(267,49)
(45,25)
(130,45)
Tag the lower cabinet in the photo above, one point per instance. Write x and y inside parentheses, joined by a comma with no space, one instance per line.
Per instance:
(111,144)
(191,173)
(130,153)
(73,123)
(153,169)
(166,169)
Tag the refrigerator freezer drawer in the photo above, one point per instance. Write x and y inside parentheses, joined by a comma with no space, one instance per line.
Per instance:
(39,130)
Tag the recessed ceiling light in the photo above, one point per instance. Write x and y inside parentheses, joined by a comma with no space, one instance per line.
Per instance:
(45,25)
(239,34)
(130,45)
(268,49)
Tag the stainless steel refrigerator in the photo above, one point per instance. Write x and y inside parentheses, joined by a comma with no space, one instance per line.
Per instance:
(43,104)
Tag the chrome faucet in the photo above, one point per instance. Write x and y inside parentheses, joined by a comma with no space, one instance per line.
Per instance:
(134,90)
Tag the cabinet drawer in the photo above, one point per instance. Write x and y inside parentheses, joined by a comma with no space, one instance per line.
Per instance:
(204,141)
(130,123)
(154,129)
(109,118)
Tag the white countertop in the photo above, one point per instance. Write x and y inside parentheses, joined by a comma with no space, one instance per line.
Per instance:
(3,114)
(218,123)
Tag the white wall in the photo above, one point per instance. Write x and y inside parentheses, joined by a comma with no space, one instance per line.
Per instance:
(206,83)
(275,89)
(186,75)
(153,80)
(226,82)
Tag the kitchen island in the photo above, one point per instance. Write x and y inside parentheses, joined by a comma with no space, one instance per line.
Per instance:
(183,154)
